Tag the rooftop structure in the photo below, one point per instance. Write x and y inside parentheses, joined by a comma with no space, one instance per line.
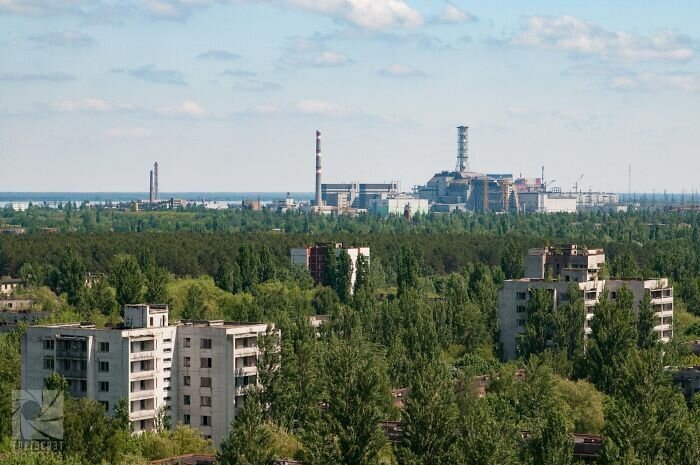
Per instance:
(195,372)
(8,285)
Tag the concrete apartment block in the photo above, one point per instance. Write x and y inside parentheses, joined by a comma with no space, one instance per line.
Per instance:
(566,265)
(313,259)
(194,372)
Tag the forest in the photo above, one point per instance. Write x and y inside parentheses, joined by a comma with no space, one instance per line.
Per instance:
(422,315)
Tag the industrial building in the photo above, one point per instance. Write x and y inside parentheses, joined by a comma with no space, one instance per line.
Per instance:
(466,190)
(195,372)
(313,259)
(554,269)
(404,205)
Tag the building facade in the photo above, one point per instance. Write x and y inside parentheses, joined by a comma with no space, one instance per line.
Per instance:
(313,258)
(190,372)
(555,269)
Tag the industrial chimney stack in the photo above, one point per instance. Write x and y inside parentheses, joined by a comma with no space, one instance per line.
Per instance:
(156,195)
(462,149)
(319,202)
(150,192)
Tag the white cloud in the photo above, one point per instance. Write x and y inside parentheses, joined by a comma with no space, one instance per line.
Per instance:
(302,52)
(173,9)
(187,108)
(367,14)
(63,39)
(255,85)
(570,34)
(42,7)
(262,110)
(322,108)
(328,58)
(452,14)
(397,70)
(90,105)
(650,81)
(127,133)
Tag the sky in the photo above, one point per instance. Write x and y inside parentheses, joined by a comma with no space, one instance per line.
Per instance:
(227,94)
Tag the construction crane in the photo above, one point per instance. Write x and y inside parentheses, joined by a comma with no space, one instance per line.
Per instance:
(578,184)
(547,184)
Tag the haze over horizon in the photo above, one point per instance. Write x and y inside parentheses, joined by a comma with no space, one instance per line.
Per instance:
(226,95)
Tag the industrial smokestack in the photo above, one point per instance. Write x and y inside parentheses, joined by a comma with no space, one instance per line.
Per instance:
(156,195)
(319,202)
(462,149)
(150,192)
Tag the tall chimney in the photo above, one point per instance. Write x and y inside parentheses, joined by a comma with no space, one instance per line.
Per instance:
(319,202)
(462,149)
(156,195)
(150,192)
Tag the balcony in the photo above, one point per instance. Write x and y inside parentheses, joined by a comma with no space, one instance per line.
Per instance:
(243,390)
(245,371)
(139,375)
(146,354)
(73,373)
(245,351)
(144,394)
(72,354)
(142,415)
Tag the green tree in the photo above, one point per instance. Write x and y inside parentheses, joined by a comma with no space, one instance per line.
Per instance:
(342,275)
(156,280)
(56,382)
(647,420)
(613,337)
(357,399)
(646,320)
(194,305)
(86,430)
(512,261)
(362,274)
(540,323)
(249,440)
(125,275)
(70,277)
(490,433)
(407,270)
(429,418)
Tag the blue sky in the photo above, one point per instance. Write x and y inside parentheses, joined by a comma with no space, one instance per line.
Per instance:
(226,95)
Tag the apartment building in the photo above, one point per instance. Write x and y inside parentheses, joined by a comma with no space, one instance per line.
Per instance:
(194,372)
(555,269)
(313,258)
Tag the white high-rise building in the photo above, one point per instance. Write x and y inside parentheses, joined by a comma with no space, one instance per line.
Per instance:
(197,373)
(555,269)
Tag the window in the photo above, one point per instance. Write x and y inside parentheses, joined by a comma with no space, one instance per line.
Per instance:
(167,360)
(143,404)
(521,309)
(613,295)
(205,382)
(521,323)
(186,362)
(521,295)
(187,342)
(186,419)
(205,344)
(48,364)
(205,401)
(104,346)
(104,386)
(103,367)
(186,399)
(206,421)
(186,380)
(205,363)
(83,385)
(48,344)
(167,340)
(167,350)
